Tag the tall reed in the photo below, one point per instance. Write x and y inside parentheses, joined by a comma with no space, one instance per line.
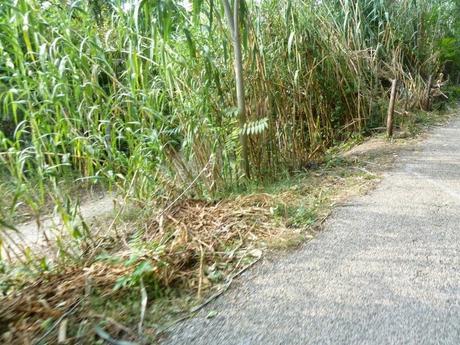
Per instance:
(103,92)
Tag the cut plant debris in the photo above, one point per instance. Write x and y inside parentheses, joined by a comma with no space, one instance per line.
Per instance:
(217,126)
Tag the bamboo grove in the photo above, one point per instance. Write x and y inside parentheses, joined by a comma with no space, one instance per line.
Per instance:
(142,94)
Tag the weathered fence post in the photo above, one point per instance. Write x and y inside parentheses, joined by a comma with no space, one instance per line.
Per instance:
(391,108)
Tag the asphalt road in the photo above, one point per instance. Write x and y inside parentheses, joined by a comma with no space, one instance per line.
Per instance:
(386,269)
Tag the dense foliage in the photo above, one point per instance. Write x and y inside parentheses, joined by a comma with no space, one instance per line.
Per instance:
(141,94)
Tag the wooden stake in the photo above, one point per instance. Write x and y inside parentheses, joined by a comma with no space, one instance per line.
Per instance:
(391,108)
(427,100)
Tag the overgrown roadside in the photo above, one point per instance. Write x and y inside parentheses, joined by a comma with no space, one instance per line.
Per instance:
(133,286)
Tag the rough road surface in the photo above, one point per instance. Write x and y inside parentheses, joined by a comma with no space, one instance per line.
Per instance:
(385,270)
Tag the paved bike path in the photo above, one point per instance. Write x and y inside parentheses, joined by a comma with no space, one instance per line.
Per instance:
(385,270)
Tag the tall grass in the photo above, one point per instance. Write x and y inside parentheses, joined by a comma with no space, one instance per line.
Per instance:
(142,95)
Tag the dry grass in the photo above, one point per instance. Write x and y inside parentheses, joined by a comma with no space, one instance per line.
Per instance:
(24,313)
(195,247)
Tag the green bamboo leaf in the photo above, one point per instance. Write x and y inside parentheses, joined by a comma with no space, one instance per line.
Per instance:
(6,225)
(190,43)
(196,6)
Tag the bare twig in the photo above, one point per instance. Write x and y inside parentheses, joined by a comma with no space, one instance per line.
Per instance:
(183,193)
(143,307)
(211,298)
(58,321)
